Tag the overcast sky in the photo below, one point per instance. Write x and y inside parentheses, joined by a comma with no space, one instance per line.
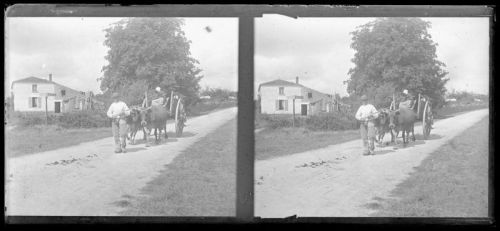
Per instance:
(72,50)
(315,49)
(318,51)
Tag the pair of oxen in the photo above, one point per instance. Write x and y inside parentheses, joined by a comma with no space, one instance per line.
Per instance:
(147,119)
(394,121)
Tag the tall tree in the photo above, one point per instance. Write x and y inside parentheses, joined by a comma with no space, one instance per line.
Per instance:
(393,54)
(150,52)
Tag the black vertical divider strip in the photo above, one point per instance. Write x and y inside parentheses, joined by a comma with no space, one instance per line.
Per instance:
(245,138)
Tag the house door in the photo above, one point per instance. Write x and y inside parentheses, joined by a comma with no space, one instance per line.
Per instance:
(57,107)
(303,109)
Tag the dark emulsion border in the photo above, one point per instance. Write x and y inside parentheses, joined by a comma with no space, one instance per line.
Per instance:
(245,134)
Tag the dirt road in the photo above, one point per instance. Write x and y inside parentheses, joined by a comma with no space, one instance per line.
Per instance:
(89,179)
(337,181)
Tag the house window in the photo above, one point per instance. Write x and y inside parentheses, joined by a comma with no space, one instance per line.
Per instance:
(63,92)
(309,95)
(282,105)
(34,88)
(35,102)
(281,90)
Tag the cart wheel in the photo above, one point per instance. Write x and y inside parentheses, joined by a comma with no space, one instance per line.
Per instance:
(179,122)
(426,126)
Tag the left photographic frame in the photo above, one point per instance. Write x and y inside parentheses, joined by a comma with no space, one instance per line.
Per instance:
(121,116)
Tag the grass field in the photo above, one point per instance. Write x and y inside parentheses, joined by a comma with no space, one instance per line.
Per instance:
(201,181)
(271,143)
(24,141)
(451,182)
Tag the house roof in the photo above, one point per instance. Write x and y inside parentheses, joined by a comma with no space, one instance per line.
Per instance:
(280,82)
(32,79)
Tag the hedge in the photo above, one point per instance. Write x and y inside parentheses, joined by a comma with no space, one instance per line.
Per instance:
(77,119)
(324,121)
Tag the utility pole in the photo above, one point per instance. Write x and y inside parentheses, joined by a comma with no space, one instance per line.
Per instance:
(46,111)
(393,101)
(294,97)
(418,106)
(293,122)
(145,102)
(171,101)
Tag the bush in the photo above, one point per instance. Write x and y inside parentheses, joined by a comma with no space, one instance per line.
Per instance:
(77,119)
(325,121)
(84,119)
(331,121)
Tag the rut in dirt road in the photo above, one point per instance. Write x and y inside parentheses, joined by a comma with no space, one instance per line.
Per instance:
(337,181)
(89,179)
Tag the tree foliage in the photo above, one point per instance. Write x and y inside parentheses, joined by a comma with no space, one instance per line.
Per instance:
(393,54)
(148,52)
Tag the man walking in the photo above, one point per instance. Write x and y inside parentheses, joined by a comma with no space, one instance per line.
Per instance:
(117,111)
(366,114)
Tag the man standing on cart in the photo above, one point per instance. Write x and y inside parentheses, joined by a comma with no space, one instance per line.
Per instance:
(366,114)
(408,100)
(166,100)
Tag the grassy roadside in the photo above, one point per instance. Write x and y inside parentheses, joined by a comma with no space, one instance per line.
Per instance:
(451,182)
(25,141)
(201,181)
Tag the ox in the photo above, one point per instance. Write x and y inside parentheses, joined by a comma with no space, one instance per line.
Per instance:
(382,125)
(403,120)
(155,117)
(134,124)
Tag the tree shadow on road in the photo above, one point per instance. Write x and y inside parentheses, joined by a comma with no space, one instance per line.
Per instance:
(162,141)
(383,152)
(135,149)
(184,134)
(419,140)
(188,134)
(430,137)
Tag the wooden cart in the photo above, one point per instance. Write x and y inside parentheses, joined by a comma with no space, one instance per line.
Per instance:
(424,112)
(178,111)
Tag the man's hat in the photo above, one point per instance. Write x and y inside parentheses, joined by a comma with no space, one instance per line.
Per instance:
(115,96)
(364,98)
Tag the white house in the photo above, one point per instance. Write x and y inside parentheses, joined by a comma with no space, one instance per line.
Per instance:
(276,97)
(32,94)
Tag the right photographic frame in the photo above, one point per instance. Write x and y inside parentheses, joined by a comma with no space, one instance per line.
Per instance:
(373,116)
